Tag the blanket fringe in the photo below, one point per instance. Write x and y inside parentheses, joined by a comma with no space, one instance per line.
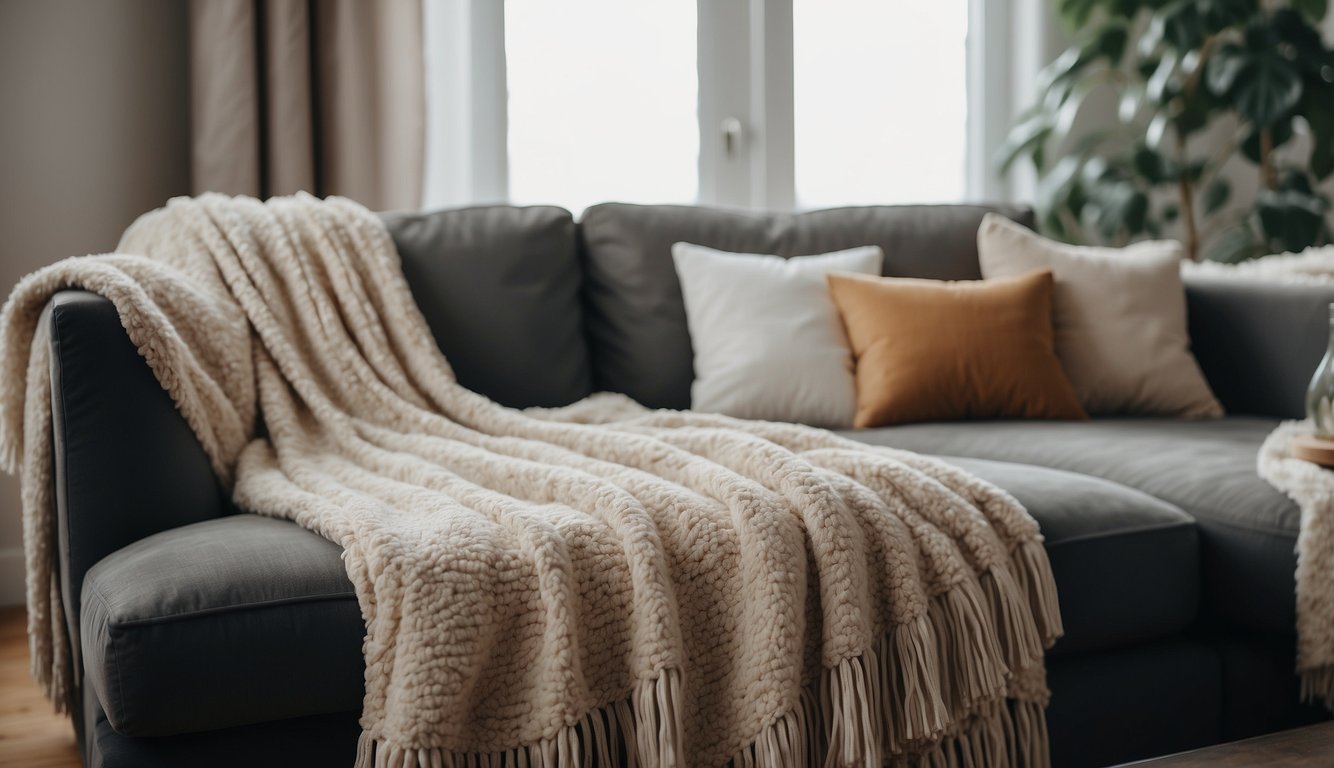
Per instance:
(1032,570)
(884,705)
(1318,685)
(648,734)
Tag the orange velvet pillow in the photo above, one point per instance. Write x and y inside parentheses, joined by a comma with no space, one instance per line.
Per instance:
(931,350)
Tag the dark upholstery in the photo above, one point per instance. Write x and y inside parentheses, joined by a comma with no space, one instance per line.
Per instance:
(1131,703)
(320,740)
(1258,344)
(499,287)
(126,464)
(222,623)
(268,606)
(635,315)
(1126,564)
(239,636)
(1248,530)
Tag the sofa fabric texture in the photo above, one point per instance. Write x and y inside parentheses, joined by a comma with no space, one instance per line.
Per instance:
(635,317)
(239,620)
(256,616)
(499,287)
(1151,525)
(1248,529)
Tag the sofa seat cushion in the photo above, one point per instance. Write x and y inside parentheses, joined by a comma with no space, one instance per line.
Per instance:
(1126,564)
(228,622)
(1248,529)
(247,619)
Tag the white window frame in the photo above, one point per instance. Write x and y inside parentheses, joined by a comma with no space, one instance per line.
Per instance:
(745,57)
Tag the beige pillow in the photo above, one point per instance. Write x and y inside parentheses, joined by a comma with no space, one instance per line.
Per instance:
(1120,319)
(768,341)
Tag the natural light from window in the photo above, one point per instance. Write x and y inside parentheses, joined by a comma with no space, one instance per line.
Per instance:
(602,102)
(880,97)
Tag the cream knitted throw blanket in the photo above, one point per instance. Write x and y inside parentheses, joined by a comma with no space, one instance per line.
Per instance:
(597,584)
(1312,487)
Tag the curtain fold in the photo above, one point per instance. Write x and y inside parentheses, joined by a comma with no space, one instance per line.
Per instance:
(325,96)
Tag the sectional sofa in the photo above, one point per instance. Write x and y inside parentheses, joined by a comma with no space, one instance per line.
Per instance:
(208,636)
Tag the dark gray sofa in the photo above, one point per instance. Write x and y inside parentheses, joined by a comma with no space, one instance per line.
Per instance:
(205,636)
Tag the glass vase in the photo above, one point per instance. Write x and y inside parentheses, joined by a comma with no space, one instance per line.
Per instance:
(1320,394)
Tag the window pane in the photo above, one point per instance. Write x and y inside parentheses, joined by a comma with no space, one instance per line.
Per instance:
(602,102)
(880,101)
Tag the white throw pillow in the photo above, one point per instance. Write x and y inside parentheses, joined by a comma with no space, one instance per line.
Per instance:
(769,343)
(1120,319)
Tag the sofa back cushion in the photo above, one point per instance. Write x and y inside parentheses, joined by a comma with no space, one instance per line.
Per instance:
(499,287)
(636,319)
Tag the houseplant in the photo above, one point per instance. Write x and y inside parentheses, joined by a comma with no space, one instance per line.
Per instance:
(1200,85)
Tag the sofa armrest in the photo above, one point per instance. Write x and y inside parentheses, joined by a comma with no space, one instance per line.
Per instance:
(1259,343)
(127,465)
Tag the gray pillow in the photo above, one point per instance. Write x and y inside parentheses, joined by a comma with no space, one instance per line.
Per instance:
(499,286)
(636,318)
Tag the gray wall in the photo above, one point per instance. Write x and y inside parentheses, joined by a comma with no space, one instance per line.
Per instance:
(94,130)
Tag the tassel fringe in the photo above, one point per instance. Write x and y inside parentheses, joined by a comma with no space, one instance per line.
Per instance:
(930,692)
(1318,685)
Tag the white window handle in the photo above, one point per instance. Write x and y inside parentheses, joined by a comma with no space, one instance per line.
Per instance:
(731,135)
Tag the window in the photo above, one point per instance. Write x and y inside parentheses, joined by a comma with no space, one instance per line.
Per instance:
(880,101)
(602,102)
(773,105)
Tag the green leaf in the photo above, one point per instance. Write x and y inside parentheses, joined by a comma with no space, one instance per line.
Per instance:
(1290,220)
(1313,10)
(1159,89)
(1317,108)
(1234,245)
(1216,195)
(1183,27)
(1110,42)
(1223,67)
(1131,98)
(1279,134)
(1076,12)
(1116,209)
(1152,166)
(1220,14)
(1171,212)
(1026,138)
(1153,136)
(1267,89)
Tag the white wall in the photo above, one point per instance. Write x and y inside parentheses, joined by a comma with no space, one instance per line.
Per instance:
(94,130)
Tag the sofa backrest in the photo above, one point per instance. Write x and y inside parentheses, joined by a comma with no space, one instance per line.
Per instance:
(500,288)
(531,310)
(635,317)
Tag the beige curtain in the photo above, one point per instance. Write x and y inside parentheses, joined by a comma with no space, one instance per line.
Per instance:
(325,96)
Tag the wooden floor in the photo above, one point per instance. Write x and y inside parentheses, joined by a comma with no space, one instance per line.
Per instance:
(30,734)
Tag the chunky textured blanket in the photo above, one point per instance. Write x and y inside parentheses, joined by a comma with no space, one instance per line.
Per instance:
(599,583)
(1312,487)
(1313,265)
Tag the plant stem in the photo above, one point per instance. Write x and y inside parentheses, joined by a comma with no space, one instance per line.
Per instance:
(1267,173)
(1187,194)
(1188,218)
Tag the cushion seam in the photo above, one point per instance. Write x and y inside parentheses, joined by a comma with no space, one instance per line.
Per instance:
(1183,524)
(202,612)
